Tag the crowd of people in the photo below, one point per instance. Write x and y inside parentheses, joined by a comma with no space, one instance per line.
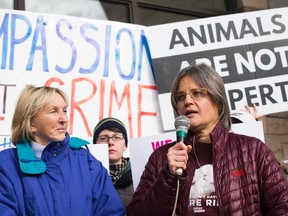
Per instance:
(222,173)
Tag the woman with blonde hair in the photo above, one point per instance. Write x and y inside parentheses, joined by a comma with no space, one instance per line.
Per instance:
(50,173)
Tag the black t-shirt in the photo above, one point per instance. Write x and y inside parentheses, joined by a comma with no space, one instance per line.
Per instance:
(202,197)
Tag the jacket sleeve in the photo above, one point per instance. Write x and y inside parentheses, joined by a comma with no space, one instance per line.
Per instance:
(272,184)
(106,201)
(8,201)
(155,194)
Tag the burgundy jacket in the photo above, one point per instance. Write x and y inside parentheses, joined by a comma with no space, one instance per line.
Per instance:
(247,176)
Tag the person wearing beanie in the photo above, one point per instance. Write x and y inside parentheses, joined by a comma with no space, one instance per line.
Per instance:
(112,131)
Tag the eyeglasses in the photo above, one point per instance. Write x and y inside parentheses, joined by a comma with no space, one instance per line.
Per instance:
(195,93)
(105,138)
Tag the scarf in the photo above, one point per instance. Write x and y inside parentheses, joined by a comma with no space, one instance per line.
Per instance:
(116,170)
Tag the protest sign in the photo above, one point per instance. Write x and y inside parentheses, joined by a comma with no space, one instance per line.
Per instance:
(248,50)
(100,152)
(104,67)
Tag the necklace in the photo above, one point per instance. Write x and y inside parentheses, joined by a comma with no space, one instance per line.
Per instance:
(194,151)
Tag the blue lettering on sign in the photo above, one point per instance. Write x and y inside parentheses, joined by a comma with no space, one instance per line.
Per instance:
(94,44)
(70,43)
(20,30)
(144,43)
(15,41)
(4,32)
(42,47)
(117,54)
(6,143)
(107,50)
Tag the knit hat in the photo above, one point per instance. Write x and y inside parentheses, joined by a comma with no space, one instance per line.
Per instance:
(107,123)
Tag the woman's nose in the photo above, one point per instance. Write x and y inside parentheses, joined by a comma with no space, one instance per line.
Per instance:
(188,99)
(63,116)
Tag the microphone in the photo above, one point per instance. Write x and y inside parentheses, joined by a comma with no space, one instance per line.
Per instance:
(182,124)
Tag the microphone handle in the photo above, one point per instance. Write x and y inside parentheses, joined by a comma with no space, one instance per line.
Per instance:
(180,139)
(179,171)
(181,135)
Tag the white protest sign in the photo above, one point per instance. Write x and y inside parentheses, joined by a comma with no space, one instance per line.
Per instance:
(104,67)
(248,50)
(141,148)
(100,152)
(5,142)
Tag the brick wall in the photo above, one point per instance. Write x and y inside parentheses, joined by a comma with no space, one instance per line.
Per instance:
(276,134)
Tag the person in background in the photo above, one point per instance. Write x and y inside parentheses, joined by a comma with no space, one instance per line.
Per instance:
(247,114)
(113,132)
(241,117)
(222,173)
(253,112)
(50,173)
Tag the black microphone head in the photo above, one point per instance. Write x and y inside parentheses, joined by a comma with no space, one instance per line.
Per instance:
(182,123)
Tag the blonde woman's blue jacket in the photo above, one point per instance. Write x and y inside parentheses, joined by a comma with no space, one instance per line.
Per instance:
(67,181)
